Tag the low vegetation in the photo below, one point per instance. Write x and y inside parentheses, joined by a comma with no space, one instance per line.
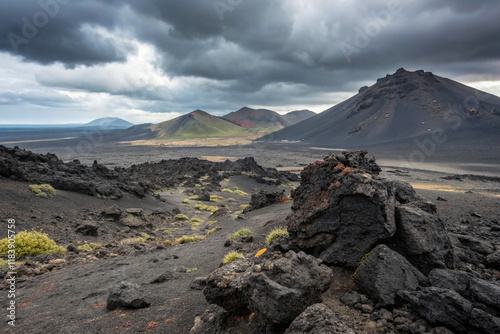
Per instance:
(211,222)
(234,191)
(215,229)
(204,207)
(215,198)
(181,216)
(137,240)
(240,233)
(88,248)
(194,197)
(187,239)
(276,233)
(232,256)
(43,190)
(31,243)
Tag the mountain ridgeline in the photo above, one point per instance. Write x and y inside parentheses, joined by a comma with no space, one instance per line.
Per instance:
(400,106)
(248,117)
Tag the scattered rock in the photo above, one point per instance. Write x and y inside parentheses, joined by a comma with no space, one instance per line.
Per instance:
(199,283)
(493,260)
(89,229)
(248,238)
(276,288)
(213,321)
(112,213)
(263,198)
(319,319)
(440,307)
(72,248)
(384,272)
(166,276)
(421,237)
(126,295)
(133,222)
(475,214)
(441,198)
(475,244)
(483,294)
(134,211)
(350,298)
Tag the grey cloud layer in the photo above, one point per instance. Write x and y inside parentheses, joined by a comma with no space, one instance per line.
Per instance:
(260,43)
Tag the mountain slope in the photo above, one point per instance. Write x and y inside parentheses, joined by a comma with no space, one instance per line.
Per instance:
(296,116)
(399,106)
(249,118)
(109,123)
(197,124)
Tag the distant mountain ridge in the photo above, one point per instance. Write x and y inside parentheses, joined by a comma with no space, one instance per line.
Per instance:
(248,117)
(196,124)
(109,123)
(400,106)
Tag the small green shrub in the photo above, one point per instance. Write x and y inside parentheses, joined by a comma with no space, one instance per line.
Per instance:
(137,240)
(167,243)
(240,192)
(244,206)
(43,190)
(185,201)
(187,239)
(196,220)
(232,256)
(215,229)
(181,216)
(241,233)
(88,248)
(31,243)
(204,207)
(276,233)
(215,198)
(194,197)
(210,223)
(192,270)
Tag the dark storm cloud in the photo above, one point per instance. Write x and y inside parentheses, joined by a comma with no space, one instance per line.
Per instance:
(251,45)
(49,31)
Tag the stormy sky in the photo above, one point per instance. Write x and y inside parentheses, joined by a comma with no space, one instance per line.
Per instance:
(69,61)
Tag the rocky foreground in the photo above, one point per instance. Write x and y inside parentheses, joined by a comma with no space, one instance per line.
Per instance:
(345,215)
(363,253)
(148,178)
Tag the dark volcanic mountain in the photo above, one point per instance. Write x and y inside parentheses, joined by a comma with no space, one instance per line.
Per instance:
(400,106)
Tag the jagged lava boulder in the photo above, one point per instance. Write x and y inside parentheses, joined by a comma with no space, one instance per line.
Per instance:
(343,209)
(319,319)
(384,272)
(277,288)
